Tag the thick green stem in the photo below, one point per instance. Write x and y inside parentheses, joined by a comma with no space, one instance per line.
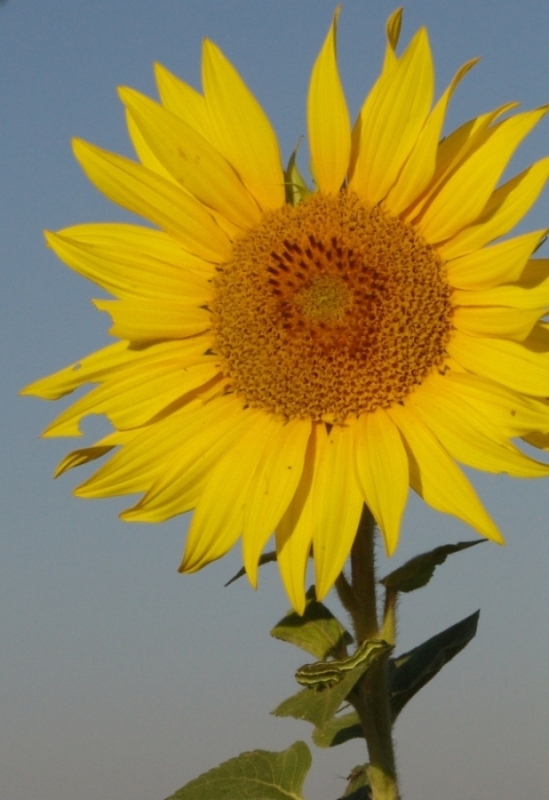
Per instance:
(363,579)
(371,698)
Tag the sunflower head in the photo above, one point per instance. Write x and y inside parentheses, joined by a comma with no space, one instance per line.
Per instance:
(289,351)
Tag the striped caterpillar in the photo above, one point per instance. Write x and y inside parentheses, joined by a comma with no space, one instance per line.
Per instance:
(325,674)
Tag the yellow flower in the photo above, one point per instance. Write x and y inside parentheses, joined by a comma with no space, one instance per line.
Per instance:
(286,354)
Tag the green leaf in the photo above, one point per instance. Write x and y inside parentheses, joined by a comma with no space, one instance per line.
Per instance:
(359,785)
(410,672)
(338,730)
(296,188)
(318,707)
(317,632)
(264,559)
(257,775)
(419,570)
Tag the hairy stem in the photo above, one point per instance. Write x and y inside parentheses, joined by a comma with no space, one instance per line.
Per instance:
(371,697)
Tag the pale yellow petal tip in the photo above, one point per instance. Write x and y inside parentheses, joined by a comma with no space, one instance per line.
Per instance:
(84,152)
(496,536)
(294,586)
(50,236)
(140,512)
(125,93)
(252,573)
(80,147)
(322,588)
(85,491)
(421,39)
(299,605)
(296,596)
(159,69)
(39,388)
(210,49)
(43,388)
(391,544)
(29,390)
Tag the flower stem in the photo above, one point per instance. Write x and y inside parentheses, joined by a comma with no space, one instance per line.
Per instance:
(372,696)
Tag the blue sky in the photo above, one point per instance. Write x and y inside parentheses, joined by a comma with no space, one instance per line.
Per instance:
(119,677)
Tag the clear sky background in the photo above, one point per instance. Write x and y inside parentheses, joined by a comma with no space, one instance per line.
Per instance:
(119,678)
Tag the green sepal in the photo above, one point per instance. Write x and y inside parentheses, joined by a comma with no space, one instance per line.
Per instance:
(338,730)
(296,188)
(419,570)
(257,775)
(410,672)
(317,631)
(358,787)
(264,559)
(317,707)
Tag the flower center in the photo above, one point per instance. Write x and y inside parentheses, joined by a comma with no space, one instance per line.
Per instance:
(330,309)
(323,299)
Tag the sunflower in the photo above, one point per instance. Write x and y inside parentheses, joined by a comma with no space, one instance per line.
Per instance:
(288,353)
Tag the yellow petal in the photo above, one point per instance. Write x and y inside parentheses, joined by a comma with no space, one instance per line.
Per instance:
(176,487)
(468,435)
(145,193)
(131,240)
(382,472)
(92,369)
(538,341)
(539,440)
(143,321)
(192,160)
(294,532)
(149,160)
(435,476)
(394,25)
(136,394)
(500,263)
(514,365)
(390,63)
(464,195)
(389,128)
(337,508)
(183,101)
(242,130)
(512,295)
(454,150)
(144,152)
(272,488)
(130,272)
(328,118)
(505,208)
(420,165)
(178,440)
(513,412)
(218,520)
(535,273)
(496,321)
(84,455)
(111,360)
